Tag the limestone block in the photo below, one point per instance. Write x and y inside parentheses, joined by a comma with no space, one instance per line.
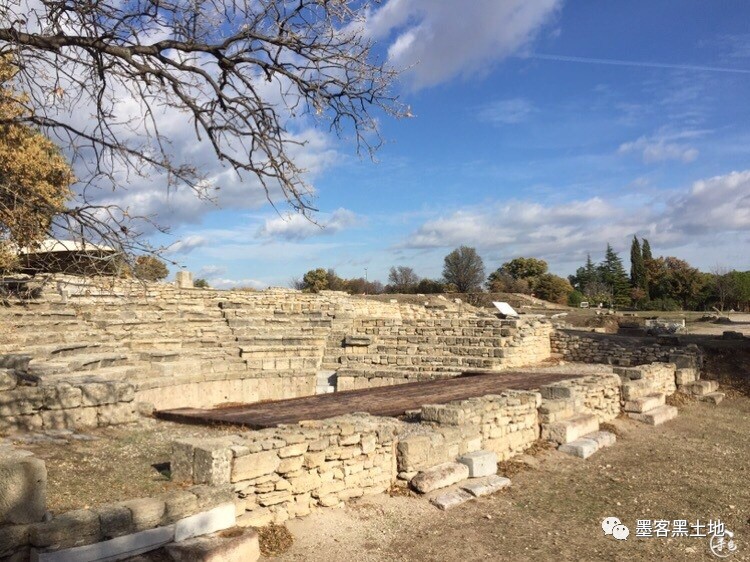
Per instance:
(305,483)
(582,448)
(20,401)
(212,464)
(13,538)
(115,520)
(571,429)
(644,403)
(293,450)
(217,519)
(413,452)
(254,465)
(451,499)
(439,476)
(147,513)
(485,486)
(290,464)
(61,396)
(256,518)
(77,418)
(480,463)
(657,416)
(685,376)
(179,504)
(181,460)
(119,548)
(98,393)
(242,548)
(8,381)
(74,528)
(212,496)
(116,414)
(23,489)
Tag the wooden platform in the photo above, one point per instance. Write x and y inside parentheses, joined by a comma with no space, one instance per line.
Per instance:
(382,401)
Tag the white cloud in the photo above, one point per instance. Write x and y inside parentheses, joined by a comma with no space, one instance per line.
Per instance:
(663,147)
(506,112)
(299,227)
(223,283)
(187,244)
(440,39)
(211,271)
(718,206)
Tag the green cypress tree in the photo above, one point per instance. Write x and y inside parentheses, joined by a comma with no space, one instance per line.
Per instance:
(646,251)
(614,276)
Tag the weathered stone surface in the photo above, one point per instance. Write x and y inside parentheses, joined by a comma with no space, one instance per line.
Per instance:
(61,396)
(74,528)
(116,414)
(242,548)
(8,380)
(23,488)
(257,518)
(657,416)
(439,477)
(254,465)
(713,398)
(115,520)
(217,519)
(451,499)
(645,403)
(212,496)
(119,548)
(582,448)
(480,463)
(147,512)
(571,429)
(13,538)
(485,486)
(179,504)
(21,401)
(212,464)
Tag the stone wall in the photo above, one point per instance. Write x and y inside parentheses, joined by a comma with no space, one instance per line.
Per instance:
(596,394)
(589,347)
(644,379)
(288,471)
(29,531)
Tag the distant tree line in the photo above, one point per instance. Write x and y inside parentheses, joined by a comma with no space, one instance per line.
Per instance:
(654,283)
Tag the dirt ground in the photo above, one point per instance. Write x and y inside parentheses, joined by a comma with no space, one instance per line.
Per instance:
(694,467)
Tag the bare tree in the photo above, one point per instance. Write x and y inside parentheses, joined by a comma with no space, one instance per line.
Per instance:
(402,279)
(464,268)
(238,70)
(724,284)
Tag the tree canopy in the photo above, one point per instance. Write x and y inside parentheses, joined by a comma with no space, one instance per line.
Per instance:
(108,78)
(464,269)
(34,177)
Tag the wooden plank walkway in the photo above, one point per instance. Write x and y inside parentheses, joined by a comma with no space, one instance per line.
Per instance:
(382,401)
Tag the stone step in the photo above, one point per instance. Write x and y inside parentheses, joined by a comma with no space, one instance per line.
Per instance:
(479,487)
(713,397)
(645,403)
(568,430)
(686,376)
(440,476)
(657,416)
(450,499)
(265,352)
(283,364)
(702,387)
(589,444)
(480,463)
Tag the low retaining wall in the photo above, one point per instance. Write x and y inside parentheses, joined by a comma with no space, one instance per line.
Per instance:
(64,406)
(596,394)
(589,347)
(28,531)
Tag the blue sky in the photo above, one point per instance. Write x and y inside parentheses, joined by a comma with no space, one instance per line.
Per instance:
(541,128)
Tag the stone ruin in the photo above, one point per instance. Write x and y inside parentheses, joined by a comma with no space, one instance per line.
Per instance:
(90,354)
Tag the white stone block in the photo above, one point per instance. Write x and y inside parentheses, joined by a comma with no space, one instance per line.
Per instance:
(451,499)
(217,519)
(582,448)
(485,486)
(480,463)
(115,549)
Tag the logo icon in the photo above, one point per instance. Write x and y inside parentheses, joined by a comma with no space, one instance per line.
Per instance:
(613,526)
(722,545)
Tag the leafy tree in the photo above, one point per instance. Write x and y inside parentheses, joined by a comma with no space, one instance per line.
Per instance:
(740,289)
(430,286)
(723,284)
(525,268)
(238,71)
(200,284)
(612,274)
(150,268)
(637,268)
(464,268)
(501,282)
(361,286)
(315,280)
(335,283)
(682,282)
(402,279)
(553,288)
(575,298)
(585,276)
(35,179)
